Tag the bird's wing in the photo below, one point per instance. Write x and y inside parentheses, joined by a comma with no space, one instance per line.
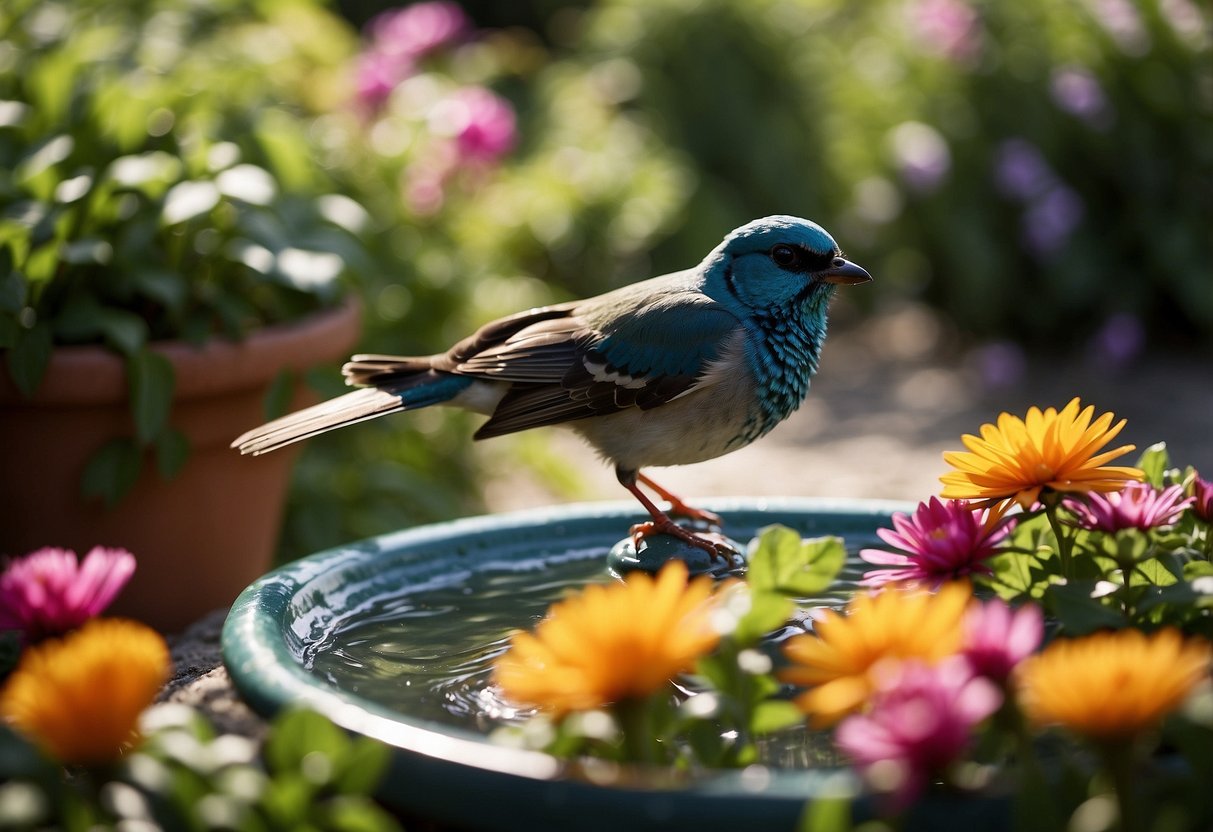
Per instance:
(600,358)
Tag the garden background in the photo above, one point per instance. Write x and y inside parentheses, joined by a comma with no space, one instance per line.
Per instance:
(1031,184)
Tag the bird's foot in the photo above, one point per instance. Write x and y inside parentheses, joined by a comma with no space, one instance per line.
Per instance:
(717,546)
(680,509)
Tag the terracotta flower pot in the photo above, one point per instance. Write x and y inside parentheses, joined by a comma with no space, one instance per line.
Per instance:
(198,538)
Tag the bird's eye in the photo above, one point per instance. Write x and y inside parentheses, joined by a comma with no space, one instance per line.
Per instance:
(785,256)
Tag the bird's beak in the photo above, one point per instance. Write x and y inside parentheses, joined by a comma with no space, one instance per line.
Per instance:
(844,272)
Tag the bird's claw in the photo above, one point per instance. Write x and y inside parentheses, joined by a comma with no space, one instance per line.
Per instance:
(718,550)
(697,515)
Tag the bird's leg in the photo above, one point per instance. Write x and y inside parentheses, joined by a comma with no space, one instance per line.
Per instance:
(661,522)
(677,506)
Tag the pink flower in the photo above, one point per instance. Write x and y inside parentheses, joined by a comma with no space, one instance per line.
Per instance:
(997,638)
(484,124)
(1202,499)
(417,30)
(49,592)
(949,28)
(1138,505)
(376,74)
(921,721)
(942,541)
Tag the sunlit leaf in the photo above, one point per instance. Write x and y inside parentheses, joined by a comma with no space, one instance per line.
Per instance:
(1154,462)
(781,561)
(187,200)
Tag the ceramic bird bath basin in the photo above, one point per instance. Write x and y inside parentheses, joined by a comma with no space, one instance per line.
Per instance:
(392,638)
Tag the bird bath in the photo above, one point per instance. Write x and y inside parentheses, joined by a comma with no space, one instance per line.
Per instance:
(393,638)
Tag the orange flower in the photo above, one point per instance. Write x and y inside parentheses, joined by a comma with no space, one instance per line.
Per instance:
(895,624)
(80,697)
(611,642)
(1017,458)
(1112,685)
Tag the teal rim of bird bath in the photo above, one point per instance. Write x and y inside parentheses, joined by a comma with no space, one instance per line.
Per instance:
(457,775)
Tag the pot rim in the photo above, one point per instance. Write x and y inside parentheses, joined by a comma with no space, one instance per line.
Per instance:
(96,375)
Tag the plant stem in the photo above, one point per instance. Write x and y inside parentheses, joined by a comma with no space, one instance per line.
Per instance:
(1065,542)
(1118,758)
(636,722)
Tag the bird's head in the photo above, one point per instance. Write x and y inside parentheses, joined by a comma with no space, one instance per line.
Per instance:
(778,262)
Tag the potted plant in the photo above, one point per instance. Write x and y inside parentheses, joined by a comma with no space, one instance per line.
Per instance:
(171,259)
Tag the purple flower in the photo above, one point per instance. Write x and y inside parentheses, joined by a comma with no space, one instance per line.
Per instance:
(940,542)
(1000,364)
(1138,505)
(947,28)
(1050,219)
(1076,90)
(49,592)
(1202,499)
(1118,341)
(997,638)
(417,30)
(921,721)
(1020,170)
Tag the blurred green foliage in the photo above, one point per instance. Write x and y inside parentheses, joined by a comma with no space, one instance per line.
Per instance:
(1032,169)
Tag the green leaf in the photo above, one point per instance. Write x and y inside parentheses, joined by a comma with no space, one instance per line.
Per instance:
(775,715)
(165,287)
(278,396)
(152,382)
(364,767)
(353,814)
(1154,462)
(172,450)
(298,734)
(10,332)
(12,285)
(782,562)
(1080,613)
(768,610)
(124,331)
(112,471)
(29,357)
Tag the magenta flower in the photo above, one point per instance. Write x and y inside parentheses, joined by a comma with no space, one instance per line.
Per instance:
(997,638)
(49,592)
(485,127)
(376,74)
(920,722)
(1202,499)
(1138,505)
(417,30)
(941,542)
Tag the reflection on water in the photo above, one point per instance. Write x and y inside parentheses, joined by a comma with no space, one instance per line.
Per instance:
(429,654)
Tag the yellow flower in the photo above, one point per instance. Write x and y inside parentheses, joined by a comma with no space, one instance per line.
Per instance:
(1112,685)
(894,624)
(79,697)
(1018,458)
(611,642)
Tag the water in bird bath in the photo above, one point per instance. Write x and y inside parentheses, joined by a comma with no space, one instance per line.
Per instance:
(429,652)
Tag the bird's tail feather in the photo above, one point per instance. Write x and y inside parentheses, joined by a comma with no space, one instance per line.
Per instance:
(403,390)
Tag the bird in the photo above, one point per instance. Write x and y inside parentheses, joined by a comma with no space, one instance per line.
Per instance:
(672,370)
